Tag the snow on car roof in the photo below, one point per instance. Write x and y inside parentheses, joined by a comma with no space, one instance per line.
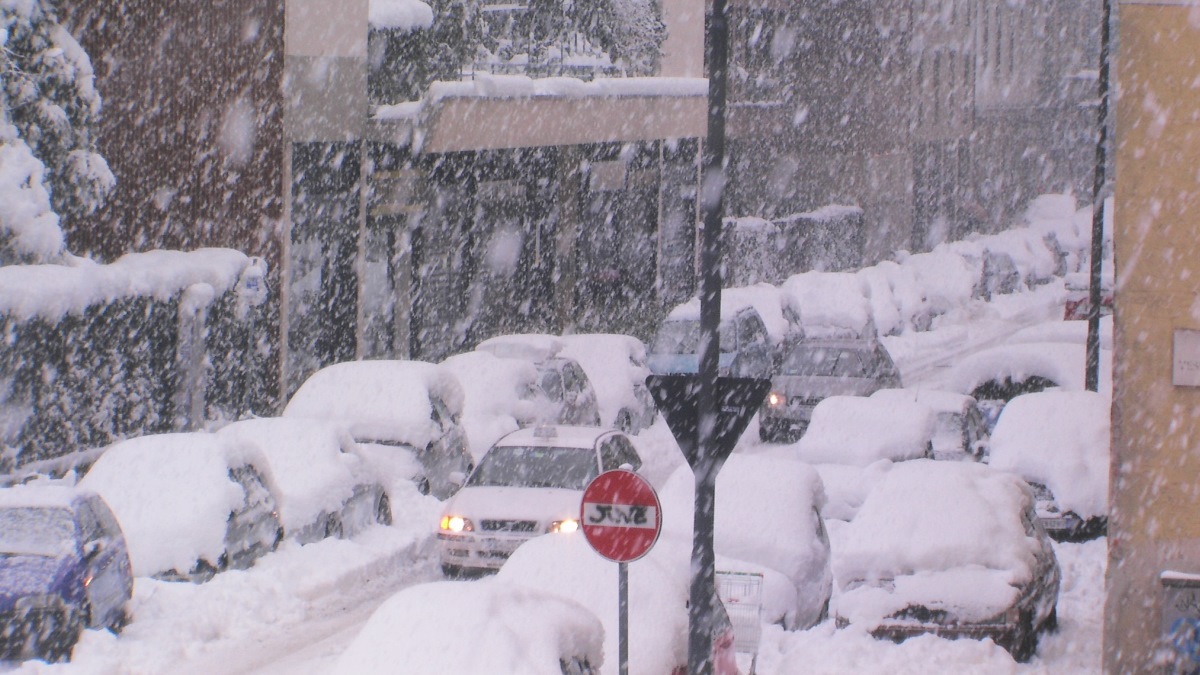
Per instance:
(493,391)
(1060,439)
(172,495)
(614,364)
(861,430)
(555,436)
(946,278)
(479,627)
(831,300)
(940,401)
(306,462)
(379,399)
(749,489)
(529,346)
(40,496)
(564,564)
(928,516)
(771,303)
(1061,363)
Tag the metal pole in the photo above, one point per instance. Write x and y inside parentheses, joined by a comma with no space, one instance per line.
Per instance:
(712,188)
(1092,376)
(623,618)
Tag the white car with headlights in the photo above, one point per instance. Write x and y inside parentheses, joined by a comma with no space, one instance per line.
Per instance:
(529,483)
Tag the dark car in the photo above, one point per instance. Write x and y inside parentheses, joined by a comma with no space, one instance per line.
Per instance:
(953,549)
(64,567)
(813,369)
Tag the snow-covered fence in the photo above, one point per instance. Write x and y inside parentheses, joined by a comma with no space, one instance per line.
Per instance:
(94,353)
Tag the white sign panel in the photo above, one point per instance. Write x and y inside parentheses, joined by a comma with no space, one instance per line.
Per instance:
(1185,359)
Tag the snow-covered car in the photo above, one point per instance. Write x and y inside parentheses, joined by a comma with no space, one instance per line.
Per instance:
(64,567)
(754,321)
(566,393)
(961,430)
(861,430)
(476,628)
(792,553)
(1078,302)
(659,585)
(1059,442)
(831,303)
(529,483)
(404,415)
(500,395)
(322,487)
(812,370)
(190,504)
(994,376)
(616,365)
(949,548)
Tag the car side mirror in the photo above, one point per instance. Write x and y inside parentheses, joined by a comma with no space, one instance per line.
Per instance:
(92,549)
(457,478)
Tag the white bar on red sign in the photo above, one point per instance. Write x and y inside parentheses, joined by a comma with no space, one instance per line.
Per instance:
(620,515)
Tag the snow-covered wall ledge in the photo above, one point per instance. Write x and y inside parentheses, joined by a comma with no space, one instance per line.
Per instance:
(512,111)
(52,291)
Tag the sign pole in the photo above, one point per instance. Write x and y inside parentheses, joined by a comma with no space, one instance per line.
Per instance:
(623,616)
(621,518)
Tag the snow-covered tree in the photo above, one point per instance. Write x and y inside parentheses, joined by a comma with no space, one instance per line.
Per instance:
(29,230)
(47,90)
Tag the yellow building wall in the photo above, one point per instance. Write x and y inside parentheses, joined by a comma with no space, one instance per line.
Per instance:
(1155,520)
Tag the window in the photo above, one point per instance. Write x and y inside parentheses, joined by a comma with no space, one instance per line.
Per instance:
(618,451)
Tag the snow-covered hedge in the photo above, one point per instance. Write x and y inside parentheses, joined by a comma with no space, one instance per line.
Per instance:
(95,353)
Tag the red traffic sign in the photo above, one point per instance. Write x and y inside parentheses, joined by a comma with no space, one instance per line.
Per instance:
(620,515)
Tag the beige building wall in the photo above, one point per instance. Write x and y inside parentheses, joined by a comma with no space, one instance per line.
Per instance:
(683,50)
(325,70)
(1155,520)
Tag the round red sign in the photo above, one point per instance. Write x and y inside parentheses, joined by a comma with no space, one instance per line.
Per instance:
(620,515)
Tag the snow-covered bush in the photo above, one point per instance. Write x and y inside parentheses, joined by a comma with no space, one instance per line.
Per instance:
(47,89)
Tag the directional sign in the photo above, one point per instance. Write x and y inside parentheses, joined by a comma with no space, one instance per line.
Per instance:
(737,399)
(620,515)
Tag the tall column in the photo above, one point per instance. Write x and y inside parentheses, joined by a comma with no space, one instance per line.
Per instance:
(1155,488)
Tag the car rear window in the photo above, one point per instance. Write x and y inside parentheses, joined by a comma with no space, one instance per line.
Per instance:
(40,531)
(535,467)
(810,361)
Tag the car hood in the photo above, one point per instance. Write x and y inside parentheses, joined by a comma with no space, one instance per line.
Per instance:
(963,595)
(509,503)
(22,575)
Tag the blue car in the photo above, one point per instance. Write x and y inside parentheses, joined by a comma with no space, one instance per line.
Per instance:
(63,567)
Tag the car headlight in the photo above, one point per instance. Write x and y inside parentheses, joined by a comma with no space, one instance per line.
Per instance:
(457,524)
(564,526)
(776,399)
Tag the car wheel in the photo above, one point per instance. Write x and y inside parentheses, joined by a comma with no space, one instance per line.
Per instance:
(625,422)
(383,510)
(767,432)
(1026,638)
(61,634)
(1051,622)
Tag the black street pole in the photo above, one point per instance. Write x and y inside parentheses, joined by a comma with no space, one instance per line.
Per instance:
(712,187)
(1092,376)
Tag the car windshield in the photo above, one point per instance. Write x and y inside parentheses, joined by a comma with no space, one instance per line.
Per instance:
(683,337)
(41,531)
(813,361)
(518,466)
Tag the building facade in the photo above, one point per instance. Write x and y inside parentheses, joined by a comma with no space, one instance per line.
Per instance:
(1153,589)
(409,205)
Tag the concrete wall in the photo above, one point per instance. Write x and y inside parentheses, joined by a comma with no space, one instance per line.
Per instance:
(1155,522)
